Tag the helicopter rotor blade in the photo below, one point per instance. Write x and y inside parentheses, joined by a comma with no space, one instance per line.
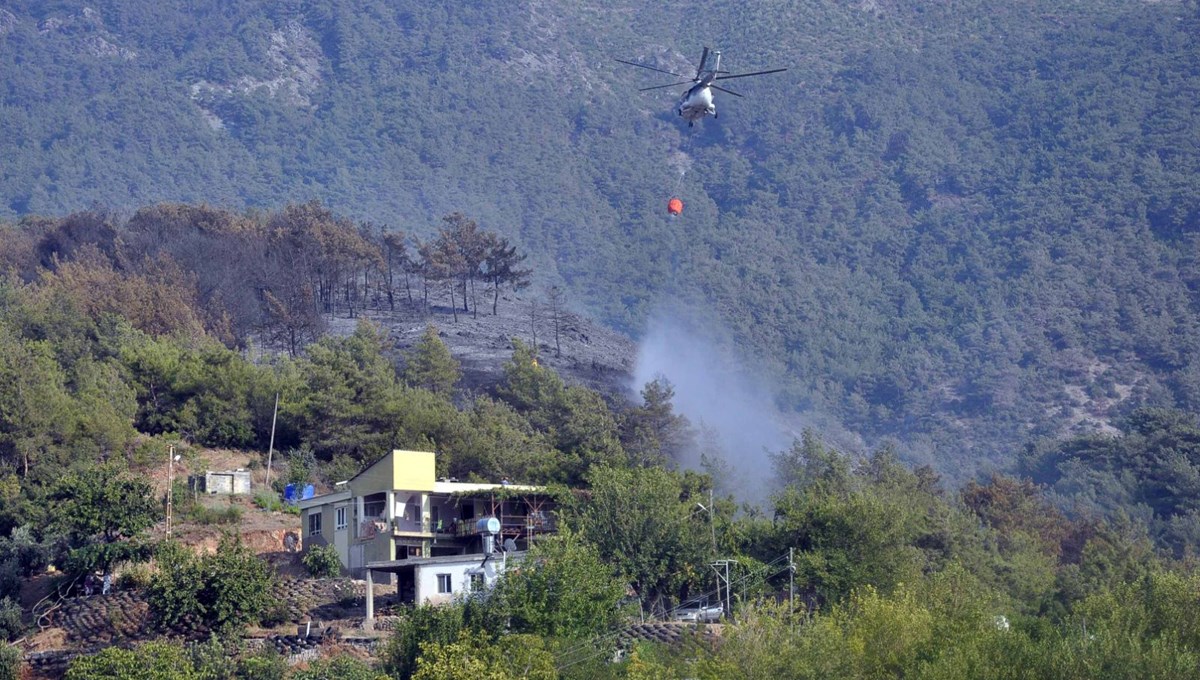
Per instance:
(703,61)
(756,73)
(659,87)
(715,87)
(677,75)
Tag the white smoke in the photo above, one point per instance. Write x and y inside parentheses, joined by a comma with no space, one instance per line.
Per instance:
(718,393)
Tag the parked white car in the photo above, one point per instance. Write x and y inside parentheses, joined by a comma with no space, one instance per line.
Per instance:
(701,614)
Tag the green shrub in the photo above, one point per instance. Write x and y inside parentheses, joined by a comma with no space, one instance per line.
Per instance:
(135,577)
(210,516)
(213,658)
(273,503)
(322,561)
(342,668)
(10,619)
(269,502)
(263,665)
(10,578)
(151,661)
(274,615)
(10,662)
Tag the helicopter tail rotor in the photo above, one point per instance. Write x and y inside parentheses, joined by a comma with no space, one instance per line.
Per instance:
(703,63)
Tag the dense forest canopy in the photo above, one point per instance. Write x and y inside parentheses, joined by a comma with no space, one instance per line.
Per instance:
(958,224)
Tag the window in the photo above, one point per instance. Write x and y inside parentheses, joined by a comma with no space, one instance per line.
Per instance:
(443,583)
(339,518)
(476,582)
(314,523)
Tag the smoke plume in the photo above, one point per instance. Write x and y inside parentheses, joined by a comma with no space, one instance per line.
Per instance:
(733,412)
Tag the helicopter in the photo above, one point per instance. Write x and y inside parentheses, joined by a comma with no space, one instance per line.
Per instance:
(697,102)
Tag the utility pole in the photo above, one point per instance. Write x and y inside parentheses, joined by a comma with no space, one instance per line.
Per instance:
(170,485)
(791,581)
(271,447)
(712,521)
(726,602)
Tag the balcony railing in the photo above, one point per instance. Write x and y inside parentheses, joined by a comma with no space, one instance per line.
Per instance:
(510,525)
(410,526)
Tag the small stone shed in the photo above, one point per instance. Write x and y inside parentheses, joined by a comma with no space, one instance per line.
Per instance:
(229,482)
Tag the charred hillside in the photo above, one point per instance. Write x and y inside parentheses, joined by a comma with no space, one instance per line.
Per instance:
(585,353)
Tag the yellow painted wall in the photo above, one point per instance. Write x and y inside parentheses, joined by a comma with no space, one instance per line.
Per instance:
(414,470)
(405,470)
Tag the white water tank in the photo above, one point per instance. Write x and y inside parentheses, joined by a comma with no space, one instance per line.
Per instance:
(488,527)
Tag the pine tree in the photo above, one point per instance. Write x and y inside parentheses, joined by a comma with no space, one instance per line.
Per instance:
(431,366)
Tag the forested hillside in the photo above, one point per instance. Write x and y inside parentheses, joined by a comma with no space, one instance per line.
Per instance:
(960,224)
(114,356)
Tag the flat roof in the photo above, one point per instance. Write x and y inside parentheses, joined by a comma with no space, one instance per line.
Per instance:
(324,498)
(467,487)
(413,562)
(438,487)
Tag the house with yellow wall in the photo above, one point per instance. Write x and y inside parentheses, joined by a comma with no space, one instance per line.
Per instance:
(396,509)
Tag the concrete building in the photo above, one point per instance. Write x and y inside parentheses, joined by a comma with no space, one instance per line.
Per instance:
(235,482)
(438,580)
(396,512)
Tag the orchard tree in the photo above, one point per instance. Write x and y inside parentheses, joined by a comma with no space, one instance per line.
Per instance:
(102,510)
(223,591)
(562,590)
(474,656)
(643,523)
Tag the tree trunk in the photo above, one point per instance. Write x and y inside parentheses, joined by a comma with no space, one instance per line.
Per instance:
(453,306)
(474,301)
(496,294)
(391,282)
(557,347)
